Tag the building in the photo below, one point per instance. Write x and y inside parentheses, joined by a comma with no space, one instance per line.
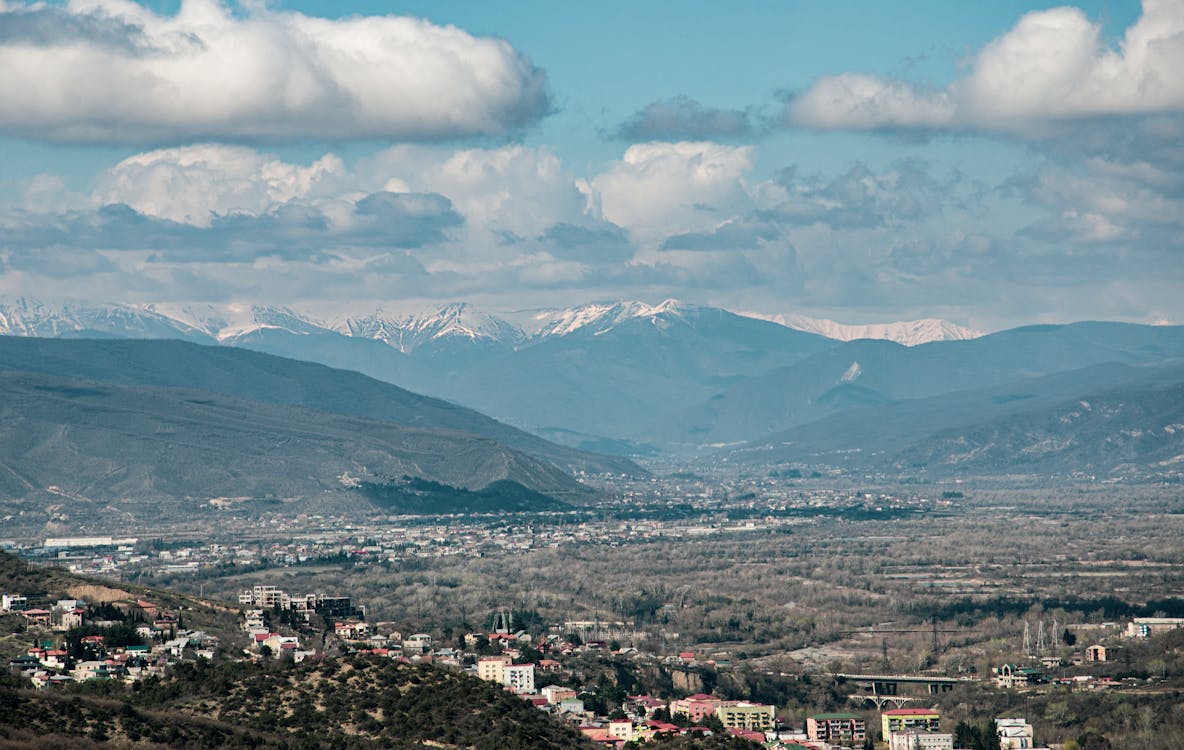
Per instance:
(836,728)
(14,603)
(643,706)
(490,668)
(1013,675)
(40,617)
(519,677)
(1014,734)
(920,739)
(1144,627)
(557,694)
(266,597)
(745,715)
(351,630)
(695,707)
(621,729)
(72,618)
(419,643)
(906,719)
(1098,652)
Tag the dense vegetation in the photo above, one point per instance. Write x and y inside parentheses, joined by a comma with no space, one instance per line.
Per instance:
(359,703)
(417,495)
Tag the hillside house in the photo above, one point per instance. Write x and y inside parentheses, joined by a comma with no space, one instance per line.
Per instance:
(1098,652)
(38,617)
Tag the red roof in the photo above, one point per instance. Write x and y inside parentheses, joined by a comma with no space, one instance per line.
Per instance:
(910,712)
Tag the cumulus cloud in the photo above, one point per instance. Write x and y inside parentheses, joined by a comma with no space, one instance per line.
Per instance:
(658,189)
(512,190)
(683,118)
(193,184)
(112,71)
(1051,67)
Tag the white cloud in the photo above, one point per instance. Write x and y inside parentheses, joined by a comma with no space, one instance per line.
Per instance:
(193,184)
(658,189)
(114,71)
(514,189)
(1050,67)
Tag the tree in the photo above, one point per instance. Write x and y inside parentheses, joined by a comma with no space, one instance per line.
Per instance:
(1092,740)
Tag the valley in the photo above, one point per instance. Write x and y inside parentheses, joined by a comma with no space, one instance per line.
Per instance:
(672,510)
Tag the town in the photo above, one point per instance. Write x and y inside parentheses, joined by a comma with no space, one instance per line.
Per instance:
(619,675)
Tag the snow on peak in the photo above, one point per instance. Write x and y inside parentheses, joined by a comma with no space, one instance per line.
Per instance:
(601,317)
(456,320)
(908,332)
(29,317)
(226,322)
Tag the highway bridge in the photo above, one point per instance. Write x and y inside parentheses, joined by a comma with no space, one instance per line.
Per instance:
(887,688)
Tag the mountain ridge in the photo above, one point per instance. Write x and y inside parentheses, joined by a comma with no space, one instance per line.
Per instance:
(409,330)
(257,376)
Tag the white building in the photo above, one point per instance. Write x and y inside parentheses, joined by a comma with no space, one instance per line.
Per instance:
(519,678)
(14,603)
(1143,627)
(1014,734)
(920,739)
(266,597)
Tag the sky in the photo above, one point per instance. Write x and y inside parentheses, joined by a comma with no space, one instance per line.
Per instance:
(994,164)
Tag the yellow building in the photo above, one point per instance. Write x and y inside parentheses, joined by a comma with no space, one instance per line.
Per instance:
(491,668)
(901,719)
(745,715)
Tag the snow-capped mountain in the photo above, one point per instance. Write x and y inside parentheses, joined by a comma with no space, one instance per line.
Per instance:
(457,321)
(29,317)
(227,323)
(907,332)
(600,317)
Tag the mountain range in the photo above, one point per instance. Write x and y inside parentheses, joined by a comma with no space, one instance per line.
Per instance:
(635,379)
(115,427)
(406,332)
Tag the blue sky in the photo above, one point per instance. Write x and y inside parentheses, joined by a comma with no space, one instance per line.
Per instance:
(991,163)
